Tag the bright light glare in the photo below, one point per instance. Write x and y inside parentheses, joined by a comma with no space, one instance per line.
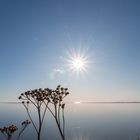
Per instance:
(78,61)
(77,102)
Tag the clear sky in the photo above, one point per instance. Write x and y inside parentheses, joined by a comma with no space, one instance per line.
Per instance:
(36,36)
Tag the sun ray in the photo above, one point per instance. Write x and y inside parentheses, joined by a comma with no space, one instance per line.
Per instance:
(78,61)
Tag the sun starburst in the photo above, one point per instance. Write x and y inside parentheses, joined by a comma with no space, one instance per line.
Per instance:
(77,61)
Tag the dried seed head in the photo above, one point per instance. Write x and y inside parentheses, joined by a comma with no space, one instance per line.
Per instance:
(63,105)
(19,97)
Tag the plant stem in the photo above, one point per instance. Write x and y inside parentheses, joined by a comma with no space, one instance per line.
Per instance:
(58,125)
(63,122)
(21,132)
(40,124)
(31,118)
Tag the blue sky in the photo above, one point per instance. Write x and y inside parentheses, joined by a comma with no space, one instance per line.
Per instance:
(35,37)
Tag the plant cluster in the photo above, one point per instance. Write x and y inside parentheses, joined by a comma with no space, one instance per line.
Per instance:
(56,99)
(8,131)
(43,99)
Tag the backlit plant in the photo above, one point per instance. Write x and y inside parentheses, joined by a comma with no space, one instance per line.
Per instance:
(8,131)
(37,98)
(56,99)
(46,97)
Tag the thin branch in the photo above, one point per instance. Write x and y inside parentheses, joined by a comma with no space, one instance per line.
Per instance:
(55,110)
(31,101)
(44,113)
(30,118)
(51,112)
(63,122)
(21,132)
(39,118)
(59,129)
(59,113)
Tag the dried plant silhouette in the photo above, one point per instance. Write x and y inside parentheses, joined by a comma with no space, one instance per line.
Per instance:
(41,99)
(23,127)
(56,99)
(37,98)
(8,131)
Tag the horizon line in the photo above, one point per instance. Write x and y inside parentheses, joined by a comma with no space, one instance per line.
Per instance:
(81,102)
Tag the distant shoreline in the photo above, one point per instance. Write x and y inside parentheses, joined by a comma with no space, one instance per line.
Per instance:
(109,102)
(120,102)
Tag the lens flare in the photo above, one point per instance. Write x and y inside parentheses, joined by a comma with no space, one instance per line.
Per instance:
(78,61)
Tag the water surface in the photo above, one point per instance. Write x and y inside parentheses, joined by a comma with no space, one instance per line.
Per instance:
(83,121)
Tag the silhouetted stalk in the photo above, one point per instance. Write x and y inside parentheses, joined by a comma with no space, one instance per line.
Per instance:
(51,112)
(30,118)
(24,124)
(36,97)
(63,122)
(55,107)
(9,137)
(40,119)
(55,115)
(46,106)
(20,133)
(56,98)
(57,119)
(40,124)
(59,112)
(60,130)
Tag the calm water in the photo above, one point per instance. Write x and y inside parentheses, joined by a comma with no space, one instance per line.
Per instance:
(83,122)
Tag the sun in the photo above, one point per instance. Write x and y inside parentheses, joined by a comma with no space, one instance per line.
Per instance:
(77,61)
(78,64)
